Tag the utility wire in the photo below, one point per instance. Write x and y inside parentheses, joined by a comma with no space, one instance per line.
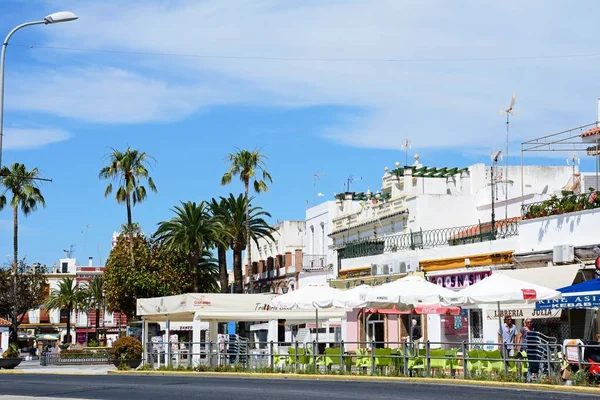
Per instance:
(367,60)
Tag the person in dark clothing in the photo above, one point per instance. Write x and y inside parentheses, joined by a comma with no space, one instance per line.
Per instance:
(529,342)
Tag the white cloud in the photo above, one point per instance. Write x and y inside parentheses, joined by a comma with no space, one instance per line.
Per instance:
(22,138)
(438,104)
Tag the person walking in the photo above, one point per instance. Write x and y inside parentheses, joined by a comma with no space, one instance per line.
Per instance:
(507,336)
(529,340)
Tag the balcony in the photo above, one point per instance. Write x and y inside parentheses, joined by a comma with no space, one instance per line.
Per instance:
(378,212)
(453,236)
(568,202)
(314,263)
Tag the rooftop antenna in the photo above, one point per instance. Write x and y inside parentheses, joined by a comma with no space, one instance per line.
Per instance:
(509,111)
(406,147)
(70,251)
(85,231)
(316,177)
(574,160)
(350,180)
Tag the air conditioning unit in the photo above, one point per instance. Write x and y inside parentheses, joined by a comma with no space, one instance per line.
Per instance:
(380,269)
(563,254)
(408,265)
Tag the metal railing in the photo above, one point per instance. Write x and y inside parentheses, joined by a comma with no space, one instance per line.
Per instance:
(452,236)
(315,262)
(555,205)
(81,359)
(457,359)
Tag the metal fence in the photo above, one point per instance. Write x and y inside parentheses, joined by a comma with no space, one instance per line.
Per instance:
(452,236)
(80,359)
(456,359)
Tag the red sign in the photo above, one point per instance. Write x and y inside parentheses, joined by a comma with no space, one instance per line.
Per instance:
(529,294)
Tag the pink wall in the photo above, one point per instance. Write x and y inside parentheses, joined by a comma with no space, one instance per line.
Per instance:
(352,330)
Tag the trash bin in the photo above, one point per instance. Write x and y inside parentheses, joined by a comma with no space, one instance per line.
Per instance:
(43,360)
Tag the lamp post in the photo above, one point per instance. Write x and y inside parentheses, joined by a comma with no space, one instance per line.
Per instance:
(495,158)
(57,17)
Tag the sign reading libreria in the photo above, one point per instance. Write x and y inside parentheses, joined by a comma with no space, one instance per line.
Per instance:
(583,301)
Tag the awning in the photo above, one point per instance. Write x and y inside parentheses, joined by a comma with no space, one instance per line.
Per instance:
(551,277)
(581,295)
(429,309)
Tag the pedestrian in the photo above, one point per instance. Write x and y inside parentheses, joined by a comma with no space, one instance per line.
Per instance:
(507,336)
(528,341)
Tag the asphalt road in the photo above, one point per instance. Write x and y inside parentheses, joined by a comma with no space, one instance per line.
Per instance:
(225,388)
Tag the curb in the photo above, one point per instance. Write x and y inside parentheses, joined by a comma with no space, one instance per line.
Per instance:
(449,381)
(34,372)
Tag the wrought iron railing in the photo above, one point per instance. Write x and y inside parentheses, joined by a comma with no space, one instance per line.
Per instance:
(315,262)
(452,236)
(567,203)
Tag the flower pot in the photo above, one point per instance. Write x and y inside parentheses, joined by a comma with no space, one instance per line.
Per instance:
(9,363)
(133,364)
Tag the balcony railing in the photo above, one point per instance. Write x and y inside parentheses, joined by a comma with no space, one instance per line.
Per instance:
(567,203)
(314,262)
(453,236)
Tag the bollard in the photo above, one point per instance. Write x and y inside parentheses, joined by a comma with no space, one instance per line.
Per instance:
(271,355)
(405,355)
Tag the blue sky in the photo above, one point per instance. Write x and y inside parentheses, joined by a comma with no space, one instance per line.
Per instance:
(345,111)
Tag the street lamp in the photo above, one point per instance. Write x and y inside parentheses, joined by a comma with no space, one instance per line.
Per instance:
(61,16)
(495,158)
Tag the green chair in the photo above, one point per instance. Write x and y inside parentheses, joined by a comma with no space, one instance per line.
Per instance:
(438,360)
(473,364)
(496,365)
(383,358)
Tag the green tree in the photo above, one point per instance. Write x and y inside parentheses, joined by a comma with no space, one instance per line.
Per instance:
(235,224)
(208,274)
(96,298)
(67,297)
(189,233)
(221,241)
(31,290)
(157,272)
(127,169)
(25,194)
(248,165)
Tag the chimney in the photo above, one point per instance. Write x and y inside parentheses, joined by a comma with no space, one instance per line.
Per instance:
(90,261)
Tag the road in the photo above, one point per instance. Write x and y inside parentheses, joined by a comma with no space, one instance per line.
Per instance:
(225,388)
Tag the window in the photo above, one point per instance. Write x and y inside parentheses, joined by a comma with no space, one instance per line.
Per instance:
(65,268)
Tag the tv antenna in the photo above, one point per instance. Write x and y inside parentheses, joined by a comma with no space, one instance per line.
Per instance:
(509,111)
(350,180)
(70,251)
(574,161)
(316,176)
(406,147)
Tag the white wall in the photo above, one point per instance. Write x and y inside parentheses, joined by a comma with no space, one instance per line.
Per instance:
(288,236)
(577,229)
(318,227)
(3,338)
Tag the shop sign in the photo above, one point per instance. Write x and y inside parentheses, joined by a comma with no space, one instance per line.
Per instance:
(459,281)
(522,313)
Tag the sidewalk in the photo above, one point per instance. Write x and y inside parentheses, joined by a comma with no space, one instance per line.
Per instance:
(34,367)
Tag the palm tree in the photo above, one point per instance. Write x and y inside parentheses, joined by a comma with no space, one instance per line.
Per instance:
(67,297)
(189,233)
(247,165)
(128,169)
(96,299)
(22,184)
(235,224)
(221,241)
(208,273)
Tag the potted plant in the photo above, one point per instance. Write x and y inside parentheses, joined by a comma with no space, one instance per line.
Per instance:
(10,358)
(126,352)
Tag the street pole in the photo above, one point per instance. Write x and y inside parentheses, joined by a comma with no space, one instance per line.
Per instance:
(61,16)
(493,205)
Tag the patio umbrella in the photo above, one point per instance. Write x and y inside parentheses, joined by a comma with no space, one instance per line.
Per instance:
(308,297)
(499,288)
(354,298)
(408,292)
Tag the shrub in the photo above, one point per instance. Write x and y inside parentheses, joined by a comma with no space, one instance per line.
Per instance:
(127,348)
(92,343)
(11,352)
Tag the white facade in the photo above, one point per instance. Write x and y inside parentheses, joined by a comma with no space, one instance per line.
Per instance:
(288,236)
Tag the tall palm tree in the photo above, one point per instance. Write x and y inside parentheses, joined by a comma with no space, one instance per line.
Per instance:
(208,273)
(128,169)
(22,185)
(189,233)
(247,165)
(235,224)
(96,298)
(67,297)
(221,241)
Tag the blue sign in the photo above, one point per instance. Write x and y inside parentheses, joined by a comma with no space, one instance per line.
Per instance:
(582,301)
